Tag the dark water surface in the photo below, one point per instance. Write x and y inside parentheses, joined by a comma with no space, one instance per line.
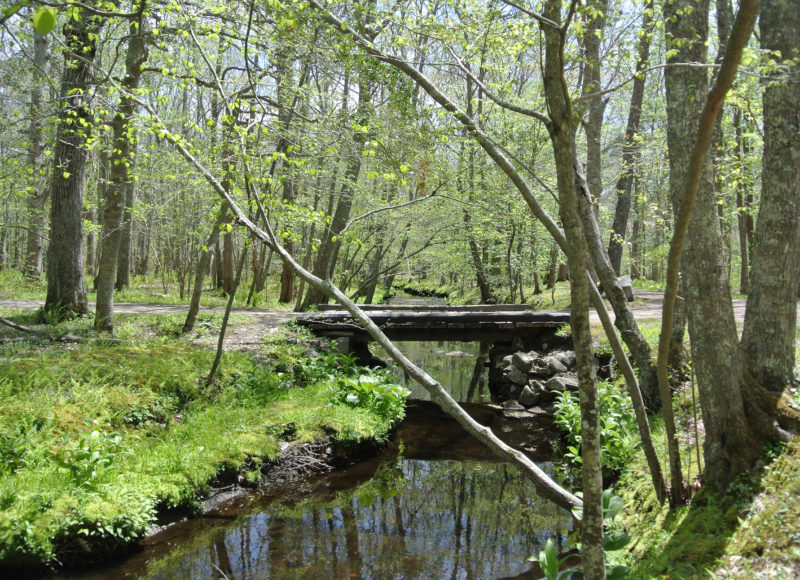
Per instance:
(435,504)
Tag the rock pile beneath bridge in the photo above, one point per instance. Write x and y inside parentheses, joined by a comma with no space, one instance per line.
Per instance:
(534,379)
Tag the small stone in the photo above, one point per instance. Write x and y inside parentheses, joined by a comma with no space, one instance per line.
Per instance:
(567,358)
(528,398)
(516,376)
(523,361)
(504,362)
(562,383)
(556,365)
(512,405)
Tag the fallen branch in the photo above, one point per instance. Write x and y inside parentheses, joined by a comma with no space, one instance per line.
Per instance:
(70,338)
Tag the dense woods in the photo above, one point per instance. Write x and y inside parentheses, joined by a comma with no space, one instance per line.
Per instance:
(482,149)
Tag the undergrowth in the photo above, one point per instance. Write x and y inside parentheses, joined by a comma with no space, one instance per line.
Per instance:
(97,439)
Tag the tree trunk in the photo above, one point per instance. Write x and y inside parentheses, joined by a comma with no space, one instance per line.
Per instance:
(124,265)
(37,187)
(202,268)
(327,256)
(641,353)
(66,286)
(563,141)
(732,441)
(631,148)
(124,136)
(742,196)
(768,338)
(593,126)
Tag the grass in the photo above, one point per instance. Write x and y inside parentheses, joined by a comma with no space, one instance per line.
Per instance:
(96,440)
(145,289)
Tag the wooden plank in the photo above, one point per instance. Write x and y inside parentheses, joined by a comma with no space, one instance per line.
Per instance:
(431,308)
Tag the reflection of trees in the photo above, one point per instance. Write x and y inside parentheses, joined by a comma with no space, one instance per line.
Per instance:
(452,519)
(456,372)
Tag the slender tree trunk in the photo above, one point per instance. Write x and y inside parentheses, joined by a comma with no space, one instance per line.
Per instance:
(122,160)
(562,138)
(125,263)
(327,256)
(593,126)
(37,186)
(202,267)
(66,286)
(226,316)
(631,148)
(624,320)
(742,194)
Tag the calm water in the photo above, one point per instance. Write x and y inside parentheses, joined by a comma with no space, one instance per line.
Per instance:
(451,363)
(435,504)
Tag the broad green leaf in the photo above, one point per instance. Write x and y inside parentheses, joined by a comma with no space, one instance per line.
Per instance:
(44,19)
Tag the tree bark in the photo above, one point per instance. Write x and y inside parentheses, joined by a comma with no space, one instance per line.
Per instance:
(743,195)
(202,267)
(768,338)
(124,264)
(37,187)
(122,160)
(563,141)
(631,147)
(66,286)
(732,441)
(328,254)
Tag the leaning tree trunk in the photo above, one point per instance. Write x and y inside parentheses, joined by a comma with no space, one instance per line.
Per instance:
(66,286)
(202,267)
(124,135)
(768,338)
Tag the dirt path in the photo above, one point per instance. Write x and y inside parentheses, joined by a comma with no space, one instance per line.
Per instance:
(240,335)
(248,335)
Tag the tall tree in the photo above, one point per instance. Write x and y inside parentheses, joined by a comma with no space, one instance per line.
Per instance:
(631,145)
(37,190)
(768,338)
(732,437)
(66,286)
(122,159)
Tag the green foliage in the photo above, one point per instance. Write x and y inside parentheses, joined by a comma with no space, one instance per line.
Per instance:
(96,439)
(372,391)
(618,433)
(614,539)
(550,562)
(44,19)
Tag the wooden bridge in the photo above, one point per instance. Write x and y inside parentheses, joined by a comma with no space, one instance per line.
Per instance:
(507,327)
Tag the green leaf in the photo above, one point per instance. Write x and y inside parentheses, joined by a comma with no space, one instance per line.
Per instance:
(615,540)
(618,571)
(44,19)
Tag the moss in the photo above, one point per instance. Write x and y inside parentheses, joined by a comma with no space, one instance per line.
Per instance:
(751,531)
(96,439)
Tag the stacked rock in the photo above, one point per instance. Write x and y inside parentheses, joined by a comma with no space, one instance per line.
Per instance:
(535,379)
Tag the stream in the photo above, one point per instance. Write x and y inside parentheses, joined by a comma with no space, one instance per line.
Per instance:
(433,504)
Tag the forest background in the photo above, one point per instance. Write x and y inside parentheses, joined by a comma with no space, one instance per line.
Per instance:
(369,143)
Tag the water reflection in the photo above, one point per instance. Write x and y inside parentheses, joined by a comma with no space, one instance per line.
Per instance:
(414,519)
(459,366)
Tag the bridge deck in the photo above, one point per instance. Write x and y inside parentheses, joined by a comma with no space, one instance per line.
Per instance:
(440,324)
